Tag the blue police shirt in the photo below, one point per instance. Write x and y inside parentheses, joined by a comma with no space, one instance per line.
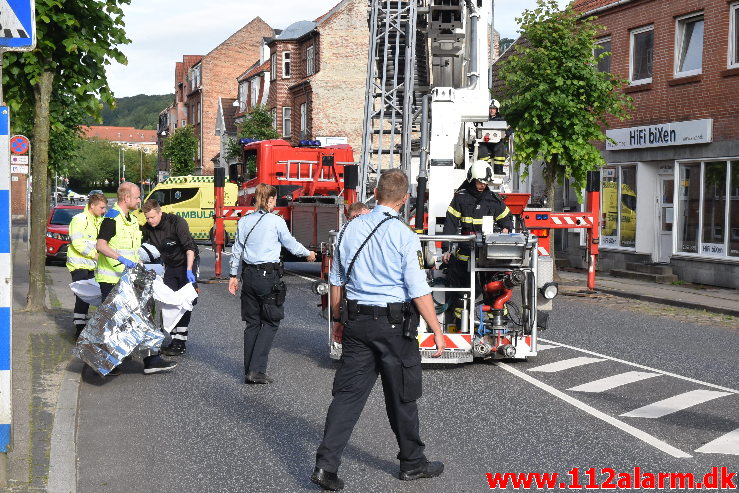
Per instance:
(264,242)
(389,267)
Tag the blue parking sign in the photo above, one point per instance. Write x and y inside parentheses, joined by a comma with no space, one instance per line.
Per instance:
(17,25)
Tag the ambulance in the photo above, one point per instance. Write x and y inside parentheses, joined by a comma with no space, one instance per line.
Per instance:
(191,197)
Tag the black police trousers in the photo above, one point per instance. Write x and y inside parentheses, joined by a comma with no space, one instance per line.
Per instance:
(262,317)
(373,346)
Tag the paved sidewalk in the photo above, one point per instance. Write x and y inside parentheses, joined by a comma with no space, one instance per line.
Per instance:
(708,298)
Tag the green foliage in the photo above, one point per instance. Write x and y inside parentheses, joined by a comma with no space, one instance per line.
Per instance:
(140,111)
(555,98)
(180,149)
(505,43)
(96,165)
(258,125)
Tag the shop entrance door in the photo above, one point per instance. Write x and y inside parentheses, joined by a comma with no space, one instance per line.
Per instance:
(666,219)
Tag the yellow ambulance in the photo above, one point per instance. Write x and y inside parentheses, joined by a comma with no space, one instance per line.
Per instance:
(191,197)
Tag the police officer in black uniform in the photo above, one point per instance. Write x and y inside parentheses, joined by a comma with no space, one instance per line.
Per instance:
(470,203)
(378,273)
(170,234)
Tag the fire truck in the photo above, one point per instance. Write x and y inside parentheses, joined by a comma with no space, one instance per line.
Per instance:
(313,185)
(426,112)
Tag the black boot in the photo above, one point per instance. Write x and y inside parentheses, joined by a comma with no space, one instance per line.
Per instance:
(326,480)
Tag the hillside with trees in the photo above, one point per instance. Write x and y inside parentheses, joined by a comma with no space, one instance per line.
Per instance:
(140,111)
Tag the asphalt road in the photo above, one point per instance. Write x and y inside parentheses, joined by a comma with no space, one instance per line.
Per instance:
(200,429)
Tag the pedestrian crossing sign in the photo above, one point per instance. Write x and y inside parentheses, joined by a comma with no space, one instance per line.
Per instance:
(17,25)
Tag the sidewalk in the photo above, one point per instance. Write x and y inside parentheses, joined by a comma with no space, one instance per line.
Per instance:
(708,298)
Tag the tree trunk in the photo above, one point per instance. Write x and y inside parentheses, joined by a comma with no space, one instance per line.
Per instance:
(40,193)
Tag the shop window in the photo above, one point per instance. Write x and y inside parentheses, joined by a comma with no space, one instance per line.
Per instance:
(285,64)
(734,36)
(618,206)
(734,209)
(642,51)
(709,208)
(689,45)
(603,46)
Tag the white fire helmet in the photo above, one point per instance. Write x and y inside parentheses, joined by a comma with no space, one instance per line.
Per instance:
(494,104)
(481,171)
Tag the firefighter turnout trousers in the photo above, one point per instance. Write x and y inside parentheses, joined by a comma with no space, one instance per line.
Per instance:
(372,345)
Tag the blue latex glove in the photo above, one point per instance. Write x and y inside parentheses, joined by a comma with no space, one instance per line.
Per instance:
(130,264)
(191,276)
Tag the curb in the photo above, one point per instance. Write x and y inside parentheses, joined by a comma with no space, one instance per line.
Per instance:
(63,452)
(665,301)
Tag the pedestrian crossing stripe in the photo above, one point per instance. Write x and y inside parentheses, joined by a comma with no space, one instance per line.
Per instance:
(10,26)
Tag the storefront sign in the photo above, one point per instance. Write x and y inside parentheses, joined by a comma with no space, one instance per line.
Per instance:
(666,134)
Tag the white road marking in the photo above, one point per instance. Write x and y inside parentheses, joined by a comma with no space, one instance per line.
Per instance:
(311,279)
(565,364)
(725,444)
(675,403)
(635,432)
(644,367)
(613,381)
(544,347)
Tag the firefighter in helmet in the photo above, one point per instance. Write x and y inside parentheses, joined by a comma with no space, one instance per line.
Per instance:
(472,200)
(493,152)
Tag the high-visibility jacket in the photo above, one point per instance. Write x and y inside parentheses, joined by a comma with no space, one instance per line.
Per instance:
(126,243)
(83,233)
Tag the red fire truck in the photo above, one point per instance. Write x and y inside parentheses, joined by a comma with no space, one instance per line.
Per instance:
(314,184)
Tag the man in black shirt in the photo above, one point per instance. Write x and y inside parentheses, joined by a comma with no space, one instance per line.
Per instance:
(170,234)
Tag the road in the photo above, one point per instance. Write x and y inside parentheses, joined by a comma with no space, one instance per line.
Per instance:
(200,429)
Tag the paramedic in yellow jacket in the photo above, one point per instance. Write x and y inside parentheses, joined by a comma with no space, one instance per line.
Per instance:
(82,253)
(118,243)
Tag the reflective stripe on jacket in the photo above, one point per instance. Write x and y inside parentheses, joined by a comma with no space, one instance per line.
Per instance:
(126,243)
(83,233)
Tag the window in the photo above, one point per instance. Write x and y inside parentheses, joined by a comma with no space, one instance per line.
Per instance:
(618,206)
(709,208)
(243,94)
(603,46)
(198,114)
(310,61)
(274,118)
(304,121)
(286,121)
(285,64)
(689,45)
(640,61)
(734,36)
(273,66)
(255,91)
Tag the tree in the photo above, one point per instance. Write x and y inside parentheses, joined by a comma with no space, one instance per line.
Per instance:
(180,149)
(505,43)
(257,125)
(554,96)
(63,75)
(97,164)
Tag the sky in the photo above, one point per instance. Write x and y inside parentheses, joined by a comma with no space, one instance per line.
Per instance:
(161,31)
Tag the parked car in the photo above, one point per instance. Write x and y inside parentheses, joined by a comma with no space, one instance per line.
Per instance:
(57,230)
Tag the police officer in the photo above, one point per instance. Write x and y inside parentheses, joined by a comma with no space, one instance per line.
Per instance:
(385,288)
(119,240)
(470,203)
(81,253)
(260,237)
(170,234)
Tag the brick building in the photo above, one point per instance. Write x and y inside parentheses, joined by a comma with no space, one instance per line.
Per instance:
(317,77)
(130,137)
(212,77)
(670,189)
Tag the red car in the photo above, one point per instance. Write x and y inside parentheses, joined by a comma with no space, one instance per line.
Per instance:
(57,230)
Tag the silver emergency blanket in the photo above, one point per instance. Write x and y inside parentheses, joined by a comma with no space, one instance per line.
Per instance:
(122,323)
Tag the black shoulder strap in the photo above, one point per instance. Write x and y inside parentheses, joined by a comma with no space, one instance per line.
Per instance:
(366,240)
(252,228)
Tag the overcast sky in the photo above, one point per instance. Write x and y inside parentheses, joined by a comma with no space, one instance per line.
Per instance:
(161,31)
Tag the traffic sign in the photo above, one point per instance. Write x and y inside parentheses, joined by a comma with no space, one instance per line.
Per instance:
(19,168)
(19,144)
(18,159)
(17,25)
